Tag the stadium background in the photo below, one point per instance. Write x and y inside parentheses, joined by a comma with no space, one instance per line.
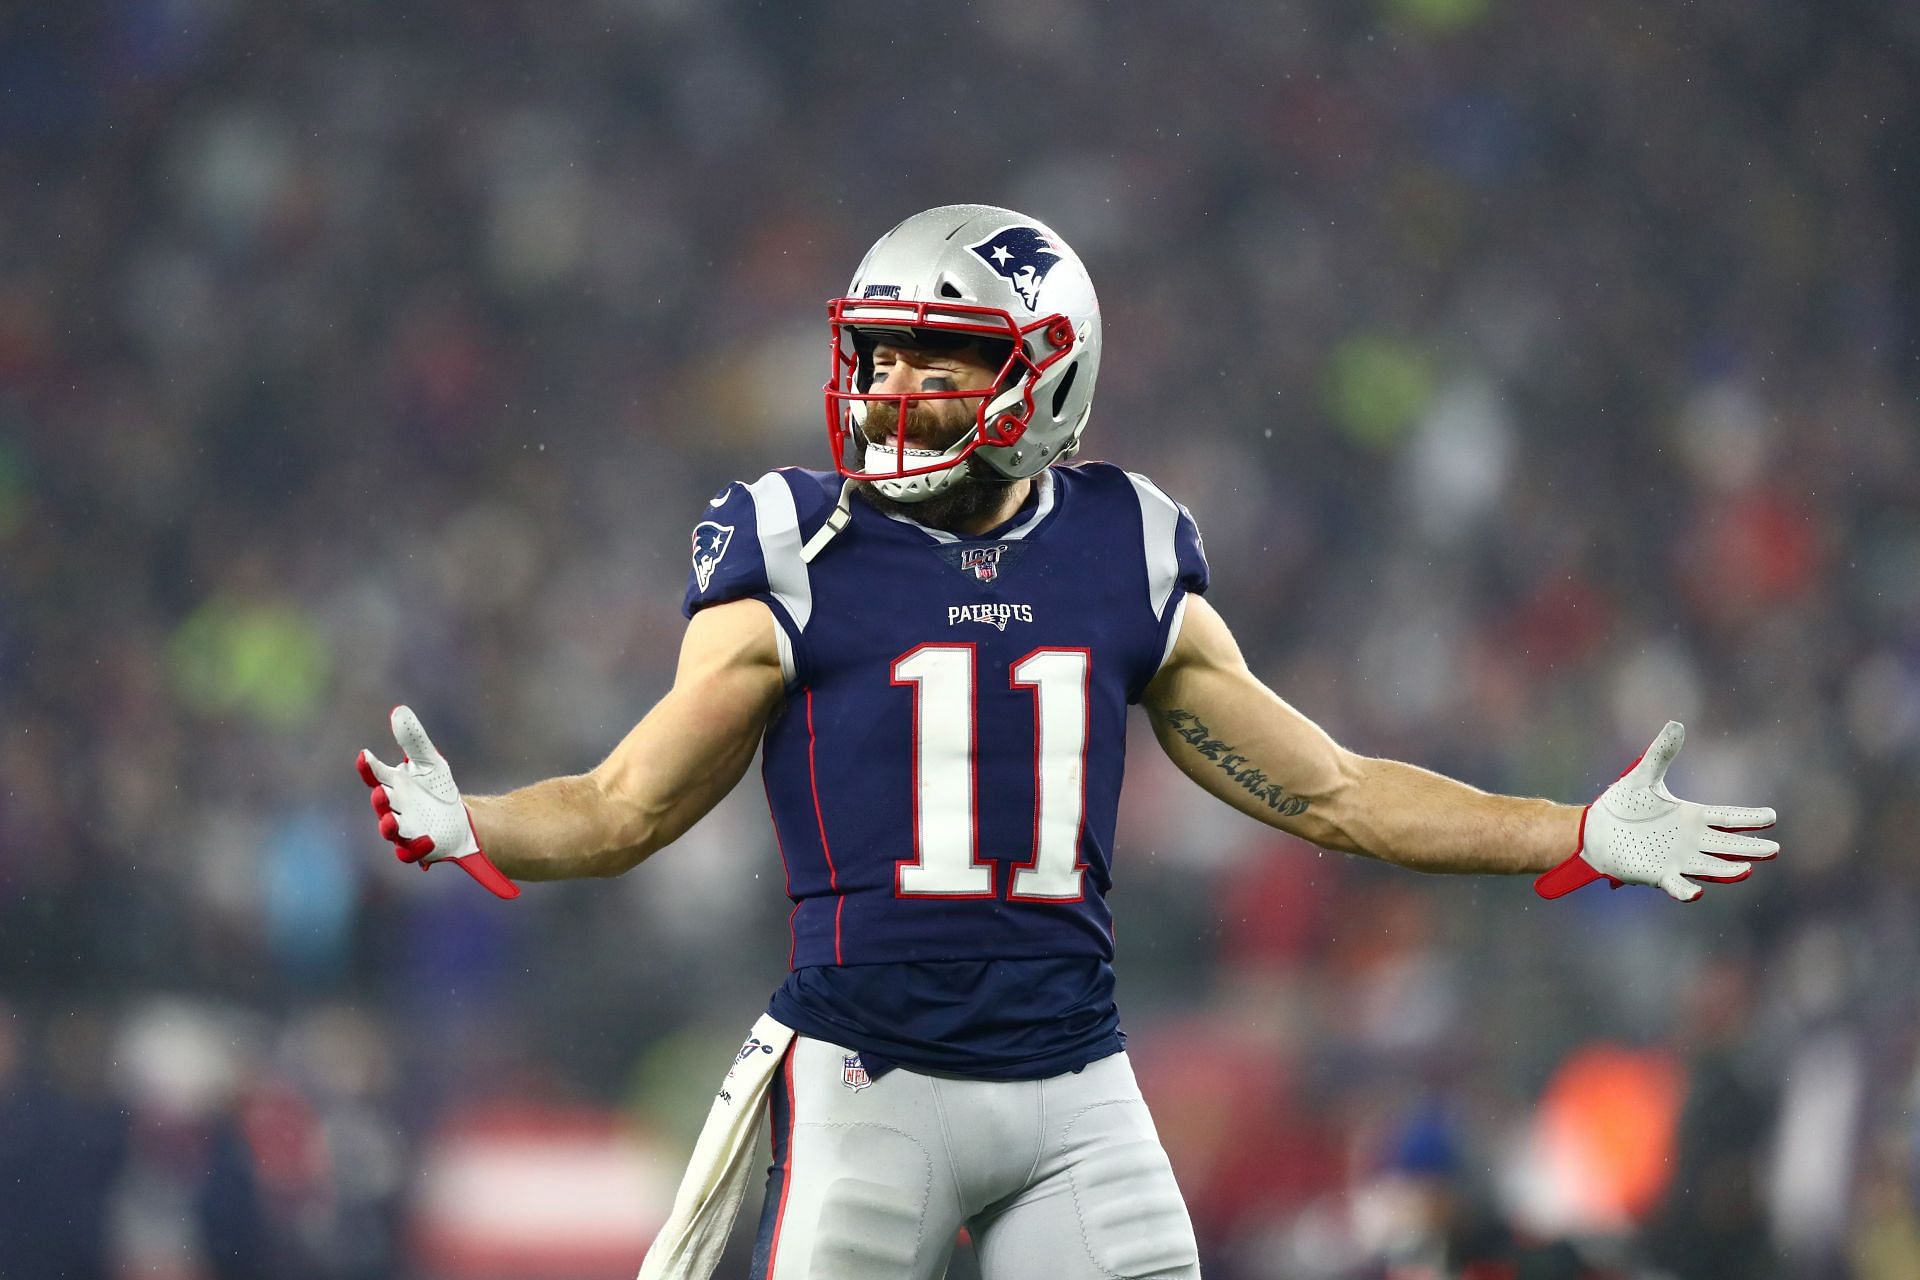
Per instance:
(1535,372)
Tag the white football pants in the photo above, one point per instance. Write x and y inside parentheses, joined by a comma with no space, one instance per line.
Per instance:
(1057,1179)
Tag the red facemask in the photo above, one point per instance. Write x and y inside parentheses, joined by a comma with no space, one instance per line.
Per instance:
(852,374)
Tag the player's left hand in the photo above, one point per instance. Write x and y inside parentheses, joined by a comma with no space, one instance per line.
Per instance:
(420,807)
(1638,832)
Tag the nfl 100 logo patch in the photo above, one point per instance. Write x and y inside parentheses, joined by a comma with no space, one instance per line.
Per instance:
(982,562)
(853,1073)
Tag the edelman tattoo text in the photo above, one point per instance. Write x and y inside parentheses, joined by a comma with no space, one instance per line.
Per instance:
(1189,726)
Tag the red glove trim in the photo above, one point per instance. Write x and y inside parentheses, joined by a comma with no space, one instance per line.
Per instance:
(1742,872)
(478,865)
(1576,872)
(481,868)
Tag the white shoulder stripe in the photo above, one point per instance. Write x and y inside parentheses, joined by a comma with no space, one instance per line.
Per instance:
(1159,522)
(789,672)
(1173,632)
(779,525)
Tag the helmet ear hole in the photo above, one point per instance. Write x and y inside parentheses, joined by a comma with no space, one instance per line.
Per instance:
(1061,392)
(948,289)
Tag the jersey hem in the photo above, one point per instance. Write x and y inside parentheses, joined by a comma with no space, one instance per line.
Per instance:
(903,1054)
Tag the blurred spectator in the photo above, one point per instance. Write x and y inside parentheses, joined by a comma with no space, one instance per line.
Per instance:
(63,1150)
(1711,1221)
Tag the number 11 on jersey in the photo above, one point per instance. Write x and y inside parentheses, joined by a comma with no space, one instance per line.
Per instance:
(945,835)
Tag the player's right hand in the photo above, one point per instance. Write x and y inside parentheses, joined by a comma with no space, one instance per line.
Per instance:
(420,808)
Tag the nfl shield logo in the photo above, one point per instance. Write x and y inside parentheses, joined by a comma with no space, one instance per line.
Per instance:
(853,1073)
(984,562)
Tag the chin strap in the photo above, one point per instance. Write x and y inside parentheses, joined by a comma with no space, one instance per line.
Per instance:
(836,521)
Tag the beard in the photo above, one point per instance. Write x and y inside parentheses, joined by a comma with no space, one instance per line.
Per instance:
(973,497)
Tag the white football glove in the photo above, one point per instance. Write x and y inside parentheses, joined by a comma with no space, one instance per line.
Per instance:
(420,807)
(1637,832)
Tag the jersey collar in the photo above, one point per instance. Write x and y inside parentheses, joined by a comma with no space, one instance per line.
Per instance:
(1024,521)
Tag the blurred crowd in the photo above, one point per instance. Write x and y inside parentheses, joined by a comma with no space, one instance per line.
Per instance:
(1535,372)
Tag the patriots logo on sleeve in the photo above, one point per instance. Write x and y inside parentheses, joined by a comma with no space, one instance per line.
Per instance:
(1023,255)
(709,548)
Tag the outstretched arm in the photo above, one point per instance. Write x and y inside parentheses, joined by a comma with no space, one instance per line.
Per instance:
(673,767)
(669,770)
(1240,741)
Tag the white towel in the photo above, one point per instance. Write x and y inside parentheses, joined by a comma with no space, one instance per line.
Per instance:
(690,1243)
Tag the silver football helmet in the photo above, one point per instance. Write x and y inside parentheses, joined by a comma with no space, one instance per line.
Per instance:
(968,271)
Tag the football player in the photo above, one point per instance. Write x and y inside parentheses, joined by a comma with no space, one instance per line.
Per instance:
(935,646)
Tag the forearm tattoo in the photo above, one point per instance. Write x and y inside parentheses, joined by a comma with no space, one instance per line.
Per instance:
(1188,726)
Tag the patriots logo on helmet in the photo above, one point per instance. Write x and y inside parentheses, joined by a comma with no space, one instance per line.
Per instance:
(709,546)
(1023,255)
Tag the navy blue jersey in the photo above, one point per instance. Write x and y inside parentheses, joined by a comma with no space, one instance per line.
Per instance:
(944,773)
